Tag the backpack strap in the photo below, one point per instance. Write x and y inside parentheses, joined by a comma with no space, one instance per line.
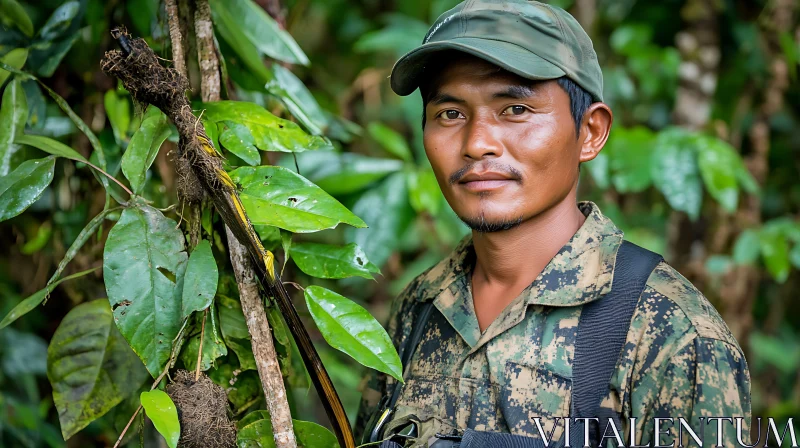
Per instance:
(602,330)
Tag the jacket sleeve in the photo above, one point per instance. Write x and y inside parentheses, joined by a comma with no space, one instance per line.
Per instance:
(374,384)
(706,382)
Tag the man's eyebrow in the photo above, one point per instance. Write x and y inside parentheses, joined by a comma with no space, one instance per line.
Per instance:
(441,98)
(518,92)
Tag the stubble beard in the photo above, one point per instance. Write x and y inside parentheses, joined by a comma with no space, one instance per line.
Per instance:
(481,225)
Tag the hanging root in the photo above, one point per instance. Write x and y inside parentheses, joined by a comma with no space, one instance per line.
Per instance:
(203,412)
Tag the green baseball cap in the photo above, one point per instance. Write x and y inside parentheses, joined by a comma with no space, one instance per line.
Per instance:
(528,38)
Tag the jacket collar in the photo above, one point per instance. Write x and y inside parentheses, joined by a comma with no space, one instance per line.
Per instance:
(579,273)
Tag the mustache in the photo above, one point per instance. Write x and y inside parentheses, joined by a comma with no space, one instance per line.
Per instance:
(486,166)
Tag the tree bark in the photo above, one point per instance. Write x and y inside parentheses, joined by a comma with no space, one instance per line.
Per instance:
(263,348)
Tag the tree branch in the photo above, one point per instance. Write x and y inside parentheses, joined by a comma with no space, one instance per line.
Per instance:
(263,348)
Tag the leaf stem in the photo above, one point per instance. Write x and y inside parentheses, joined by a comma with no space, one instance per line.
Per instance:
(130,193)
(200,350)
(133,417)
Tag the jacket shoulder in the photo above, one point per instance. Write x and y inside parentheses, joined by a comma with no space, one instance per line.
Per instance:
(672,299)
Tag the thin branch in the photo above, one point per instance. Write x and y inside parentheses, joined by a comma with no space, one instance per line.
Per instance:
(130,193)
(200,350)
(133,417)
(178,57)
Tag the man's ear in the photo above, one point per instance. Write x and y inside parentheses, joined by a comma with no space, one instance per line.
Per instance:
(594,130)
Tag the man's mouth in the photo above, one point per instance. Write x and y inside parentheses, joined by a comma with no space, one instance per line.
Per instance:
(485,181)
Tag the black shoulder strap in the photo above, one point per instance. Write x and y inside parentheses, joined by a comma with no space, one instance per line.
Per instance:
(602,330)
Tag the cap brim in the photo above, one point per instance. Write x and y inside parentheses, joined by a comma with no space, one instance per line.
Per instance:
(410,69)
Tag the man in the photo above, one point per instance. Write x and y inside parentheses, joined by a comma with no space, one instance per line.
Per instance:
(512,94)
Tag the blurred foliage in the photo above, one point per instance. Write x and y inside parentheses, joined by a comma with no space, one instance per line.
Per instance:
(672,188)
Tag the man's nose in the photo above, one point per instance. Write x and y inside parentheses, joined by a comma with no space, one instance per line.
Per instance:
(481,141)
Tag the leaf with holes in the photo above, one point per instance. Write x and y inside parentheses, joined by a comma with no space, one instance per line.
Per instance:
(278,197)
(90,366)
(350,328)
(143,268)
(329,261)
(20,189)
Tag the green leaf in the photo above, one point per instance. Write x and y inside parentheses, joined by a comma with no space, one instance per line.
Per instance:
(213,347)
(260,29)
(90,366)
(200,284)
(598,168)
(238,41)
(255,430)
(161,410)
(15,58)
(747,247)
(119,113)
(775,252)
(143,269)
(630,151)
(297,99)
(718,264)
(424,192)
(24,186)
(278,197)
(51,146)
(387,212)
(329,261)
(238,140)
(13,115)
(286,245)
(12,13)
(675,173)
(59,20)
(794,256)
(234,331)
(269,132)
(394,143)
(144,146)
(351,329)
(80,240)
(718,164)
(32,301)
(341,173)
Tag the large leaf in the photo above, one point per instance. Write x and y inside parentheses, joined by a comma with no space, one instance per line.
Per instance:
(144,146)
(55,38)
(719,166)
(394,143)
(269,132)
(90,366)
(278,197)
(424,193)
(747,247)
(51,146)
(387,212)
(143,268)
(13,115)
(350,328)
(255,430)
(161,410)
(24,186)
(260,29)
(341,173)
(674,171)
(200,284)
(12,13)
(329,261)
(15,58)
(298,99)
(36,298)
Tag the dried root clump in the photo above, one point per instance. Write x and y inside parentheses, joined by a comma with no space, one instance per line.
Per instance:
(190,190)
(203,412)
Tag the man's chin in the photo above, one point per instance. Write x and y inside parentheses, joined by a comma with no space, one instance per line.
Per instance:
(483,224)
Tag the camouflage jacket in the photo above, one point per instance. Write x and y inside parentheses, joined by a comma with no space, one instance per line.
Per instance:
(679,359)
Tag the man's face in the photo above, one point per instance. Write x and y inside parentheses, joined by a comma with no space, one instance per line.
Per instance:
(503,148)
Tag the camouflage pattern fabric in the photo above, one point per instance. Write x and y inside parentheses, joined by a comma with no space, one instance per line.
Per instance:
(679,359)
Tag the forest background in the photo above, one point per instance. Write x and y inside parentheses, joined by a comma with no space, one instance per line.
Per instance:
(702,166)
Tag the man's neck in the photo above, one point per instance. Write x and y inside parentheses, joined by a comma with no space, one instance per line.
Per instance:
(518,255)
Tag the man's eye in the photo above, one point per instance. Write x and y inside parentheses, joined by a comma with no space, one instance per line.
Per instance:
(515,110)
(451,114)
